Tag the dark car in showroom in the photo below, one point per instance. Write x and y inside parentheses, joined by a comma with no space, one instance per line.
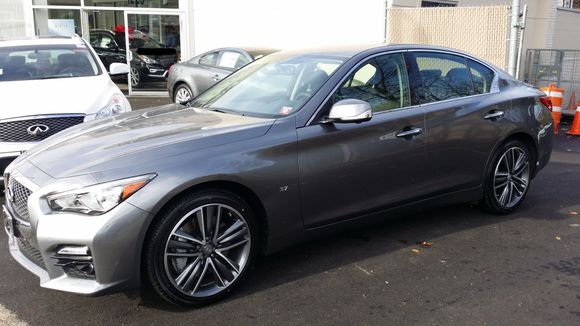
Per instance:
(183,198)
(150,60)
(190,78)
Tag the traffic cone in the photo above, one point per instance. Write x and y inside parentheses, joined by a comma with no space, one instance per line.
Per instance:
(556,96)
(572,102)
(575,129)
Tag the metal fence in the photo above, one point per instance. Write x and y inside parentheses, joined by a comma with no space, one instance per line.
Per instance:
(560,67)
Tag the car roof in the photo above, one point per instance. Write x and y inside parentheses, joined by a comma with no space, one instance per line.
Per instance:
(41,40)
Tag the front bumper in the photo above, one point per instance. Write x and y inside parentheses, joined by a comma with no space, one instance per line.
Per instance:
(114,240)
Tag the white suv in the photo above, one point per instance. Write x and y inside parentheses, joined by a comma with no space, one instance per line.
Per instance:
(48,84)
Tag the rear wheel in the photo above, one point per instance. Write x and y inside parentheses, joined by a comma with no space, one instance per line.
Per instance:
(508,178)
(201,247)
(182,94)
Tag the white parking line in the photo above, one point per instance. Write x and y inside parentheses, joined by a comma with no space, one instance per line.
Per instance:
(8,318)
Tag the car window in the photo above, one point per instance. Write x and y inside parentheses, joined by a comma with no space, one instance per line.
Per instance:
(381,81)
(482,77)
(440,76)
(46,62)
(232,60)
(208,59)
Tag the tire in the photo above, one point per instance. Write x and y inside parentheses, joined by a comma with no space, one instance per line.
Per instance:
(184,269)
(182,93)
(135,77)
(508,178)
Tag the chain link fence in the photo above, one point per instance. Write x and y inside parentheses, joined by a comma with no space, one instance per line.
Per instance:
(559,67)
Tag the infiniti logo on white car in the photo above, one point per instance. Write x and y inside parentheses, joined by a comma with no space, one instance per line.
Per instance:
(37,129)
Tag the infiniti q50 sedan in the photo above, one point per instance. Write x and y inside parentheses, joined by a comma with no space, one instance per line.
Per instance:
(182,198)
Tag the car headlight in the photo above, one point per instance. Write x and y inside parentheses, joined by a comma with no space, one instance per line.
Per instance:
(97,199)
(115,106)
(148,60)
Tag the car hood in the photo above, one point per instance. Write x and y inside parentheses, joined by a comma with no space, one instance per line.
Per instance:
(140,136)
(84,95)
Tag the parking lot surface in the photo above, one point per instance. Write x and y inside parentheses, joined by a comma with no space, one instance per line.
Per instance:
(521,269)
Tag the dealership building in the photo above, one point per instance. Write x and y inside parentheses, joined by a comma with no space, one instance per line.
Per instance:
(195,26)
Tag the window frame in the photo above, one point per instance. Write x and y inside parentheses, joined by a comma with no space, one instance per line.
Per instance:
(494,87)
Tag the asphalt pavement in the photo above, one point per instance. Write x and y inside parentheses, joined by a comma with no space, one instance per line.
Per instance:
(481,269)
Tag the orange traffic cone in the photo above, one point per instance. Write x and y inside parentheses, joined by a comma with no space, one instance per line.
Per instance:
(572,102)
(575,129)
(557,97)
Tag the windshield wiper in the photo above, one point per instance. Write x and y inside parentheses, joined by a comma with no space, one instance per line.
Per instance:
(55,76)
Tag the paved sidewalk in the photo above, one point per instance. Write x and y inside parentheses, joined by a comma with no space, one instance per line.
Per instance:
(142,102)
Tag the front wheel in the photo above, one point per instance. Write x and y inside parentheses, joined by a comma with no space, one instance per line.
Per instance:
(200,248)
(508,178)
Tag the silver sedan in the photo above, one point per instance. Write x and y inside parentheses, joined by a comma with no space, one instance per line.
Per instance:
(190,78)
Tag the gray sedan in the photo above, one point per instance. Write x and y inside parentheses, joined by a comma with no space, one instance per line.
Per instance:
(183,198)
(190,78)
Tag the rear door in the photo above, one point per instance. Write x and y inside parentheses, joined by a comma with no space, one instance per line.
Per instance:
(349,169)
(456,94)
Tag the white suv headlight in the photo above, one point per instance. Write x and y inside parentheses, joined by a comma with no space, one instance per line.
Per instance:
(97,199)
(115,106)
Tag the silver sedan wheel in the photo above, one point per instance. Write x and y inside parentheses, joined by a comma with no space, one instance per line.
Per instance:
(182,95)
(512,177)
(207,250)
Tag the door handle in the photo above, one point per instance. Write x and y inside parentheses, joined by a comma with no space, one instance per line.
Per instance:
(216,77)
(410,132)
(493,115)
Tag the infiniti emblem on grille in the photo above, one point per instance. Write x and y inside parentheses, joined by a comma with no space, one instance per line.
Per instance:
(37,129)
(10,194)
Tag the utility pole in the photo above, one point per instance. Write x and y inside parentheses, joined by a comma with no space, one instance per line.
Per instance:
(513,47)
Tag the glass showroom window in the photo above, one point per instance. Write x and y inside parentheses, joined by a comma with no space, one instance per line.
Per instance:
(65,22)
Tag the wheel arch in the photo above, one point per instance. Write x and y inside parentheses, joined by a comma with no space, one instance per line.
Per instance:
(244,192)
(520,135)
(179,83)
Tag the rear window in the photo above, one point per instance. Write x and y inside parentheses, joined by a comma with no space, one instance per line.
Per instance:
(46,62)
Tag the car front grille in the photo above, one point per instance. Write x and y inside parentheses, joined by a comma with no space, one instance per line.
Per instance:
(20,203)
(30,252)
(36,129)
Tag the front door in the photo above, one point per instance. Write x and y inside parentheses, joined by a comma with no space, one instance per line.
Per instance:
(350,169)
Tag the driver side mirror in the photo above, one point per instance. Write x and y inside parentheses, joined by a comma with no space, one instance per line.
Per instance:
(349,111)
(117,68)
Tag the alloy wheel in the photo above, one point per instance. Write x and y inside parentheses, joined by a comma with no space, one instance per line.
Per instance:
(207,250)
(134,76)
(511,177)
(182,95)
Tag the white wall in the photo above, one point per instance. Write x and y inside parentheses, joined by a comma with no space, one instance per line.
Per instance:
(286,24)
(15,19)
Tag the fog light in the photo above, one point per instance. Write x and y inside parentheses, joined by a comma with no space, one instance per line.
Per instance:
(76,261)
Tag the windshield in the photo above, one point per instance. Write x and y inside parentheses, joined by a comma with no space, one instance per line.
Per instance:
(274,86)
(46,62)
